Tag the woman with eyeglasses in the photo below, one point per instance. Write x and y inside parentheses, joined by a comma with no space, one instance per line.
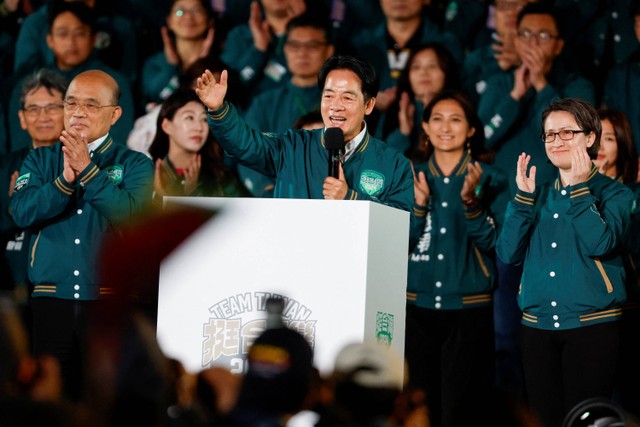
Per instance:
(569,235)
(618,160)
(188,36)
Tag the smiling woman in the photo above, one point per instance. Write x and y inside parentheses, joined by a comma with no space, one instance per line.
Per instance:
(187,37)
(451,272)
(569,235)
(189,162)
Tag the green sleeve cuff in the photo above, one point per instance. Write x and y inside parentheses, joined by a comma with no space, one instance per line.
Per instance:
(580,190)
(62,185)
(220,113)
(473,211)
(524,198)
(351,195)
(88,173)
(420,210)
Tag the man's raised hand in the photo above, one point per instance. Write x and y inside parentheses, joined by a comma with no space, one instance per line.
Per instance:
(210,91)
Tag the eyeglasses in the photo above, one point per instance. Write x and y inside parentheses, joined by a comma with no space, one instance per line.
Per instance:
(564,134)
(542,36)
(297,46)
(509,5)
(89,107)
(195,12)
(49,109)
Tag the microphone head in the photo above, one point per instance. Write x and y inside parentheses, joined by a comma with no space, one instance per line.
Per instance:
(333,139)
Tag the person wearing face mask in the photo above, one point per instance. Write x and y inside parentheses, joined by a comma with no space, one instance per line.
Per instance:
(451,274)
(569,236)
(188,161)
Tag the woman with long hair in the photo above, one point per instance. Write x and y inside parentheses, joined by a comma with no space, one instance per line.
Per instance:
(617,159)
(459,200)
(189,162)
(429,70)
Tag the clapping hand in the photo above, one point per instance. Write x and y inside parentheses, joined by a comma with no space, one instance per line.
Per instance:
(526,183)
(406,113)
(385,98)
(506,54)
(170,52)
(421,188)
(259,28)
(471,181)
(158,181)
(580,165)
(521,82)
(76,154)
(191,175)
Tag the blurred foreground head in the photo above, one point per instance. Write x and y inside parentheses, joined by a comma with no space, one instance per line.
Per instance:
(279,373)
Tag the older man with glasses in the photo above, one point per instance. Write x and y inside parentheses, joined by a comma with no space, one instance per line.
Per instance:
(72,195)
(41,117)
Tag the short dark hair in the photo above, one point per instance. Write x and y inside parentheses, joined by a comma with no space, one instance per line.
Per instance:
(48,79)
(307,20)
(627,160)
(586,117)
(541,8)
(369,81)
(84,13)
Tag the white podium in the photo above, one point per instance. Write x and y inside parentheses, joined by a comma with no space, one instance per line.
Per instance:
(340,265)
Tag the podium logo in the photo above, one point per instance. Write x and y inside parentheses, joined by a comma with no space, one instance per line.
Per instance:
(236,321)
(384,327)
(371,182)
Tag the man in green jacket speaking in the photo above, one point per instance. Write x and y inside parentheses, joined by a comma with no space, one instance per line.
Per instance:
(298,159)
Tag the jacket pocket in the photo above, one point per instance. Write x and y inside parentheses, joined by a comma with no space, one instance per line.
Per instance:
(33,250)
(481,262)
(607,282)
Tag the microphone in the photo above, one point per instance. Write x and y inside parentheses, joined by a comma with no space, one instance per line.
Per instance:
(334,143)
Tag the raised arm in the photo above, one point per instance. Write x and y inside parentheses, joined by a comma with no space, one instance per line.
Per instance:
(210,91)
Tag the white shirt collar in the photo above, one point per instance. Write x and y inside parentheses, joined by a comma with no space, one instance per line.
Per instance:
(351,146)
(95,144)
